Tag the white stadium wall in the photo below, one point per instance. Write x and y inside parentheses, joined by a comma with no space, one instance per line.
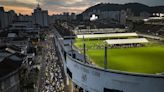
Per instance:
(94,79)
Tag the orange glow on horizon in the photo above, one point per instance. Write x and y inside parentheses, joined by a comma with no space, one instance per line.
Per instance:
(22,10)
(28,11)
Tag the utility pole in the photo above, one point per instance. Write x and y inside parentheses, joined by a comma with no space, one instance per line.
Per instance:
(84,52)
(105,58)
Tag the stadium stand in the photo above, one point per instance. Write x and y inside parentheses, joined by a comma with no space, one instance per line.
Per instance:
(126,43)
(108,35)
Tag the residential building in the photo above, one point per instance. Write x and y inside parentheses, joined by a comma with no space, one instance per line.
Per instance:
(10,65)
(6,18)
(40,17)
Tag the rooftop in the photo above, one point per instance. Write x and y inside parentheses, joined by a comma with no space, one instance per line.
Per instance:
(127,41)
(10,64)
(9,61)
(108,35)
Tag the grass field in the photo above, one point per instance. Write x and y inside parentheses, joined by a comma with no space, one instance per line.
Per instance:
(148,59)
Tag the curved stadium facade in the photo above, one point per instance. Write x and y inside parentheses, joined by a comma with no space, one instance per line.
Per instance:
(90,78)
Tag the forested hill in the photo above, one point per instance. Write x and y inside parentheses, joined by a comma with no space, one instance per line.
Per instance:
(136,8)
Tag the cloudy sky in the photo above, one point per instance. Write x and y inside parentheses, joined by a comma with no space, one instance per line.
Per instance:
(59,6)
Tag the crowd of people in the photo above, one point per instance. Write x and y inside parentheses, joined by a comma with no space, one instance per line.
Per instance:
(52,76)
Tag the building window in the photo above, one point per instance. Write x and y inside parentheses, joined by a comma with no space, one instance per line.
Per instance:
(112,90)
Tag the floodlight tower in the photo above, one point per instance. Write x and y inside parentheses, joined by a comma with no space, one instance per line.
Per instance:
(105,58)
(84,46)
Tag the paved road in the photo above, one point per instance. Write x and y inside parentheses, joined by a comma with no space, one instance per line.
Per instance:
(51,76)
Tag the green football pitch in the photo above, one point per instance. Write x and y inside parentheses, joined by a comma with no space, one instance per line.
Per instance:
(149,59)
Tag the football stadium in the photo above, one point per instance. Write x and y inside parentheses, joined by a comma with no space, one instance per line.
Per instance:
(127,52)
(114,61)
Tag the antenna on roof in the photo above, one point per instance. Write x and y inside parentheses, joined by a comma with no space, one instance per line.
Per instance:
(38,3)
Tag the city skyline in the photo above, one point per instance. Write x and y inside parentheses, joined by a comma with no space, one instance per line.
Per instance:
(59,6)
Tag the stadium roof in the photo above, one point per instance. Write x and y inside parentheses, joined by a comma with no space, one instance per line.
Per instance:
(107,35)
(127,41)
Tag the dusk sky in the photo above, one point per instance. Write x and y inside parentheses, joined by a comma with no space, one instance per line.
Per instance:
(59,6)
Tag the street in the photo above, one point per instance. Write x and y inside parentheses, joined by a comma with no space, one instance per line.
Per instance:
(51,76)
